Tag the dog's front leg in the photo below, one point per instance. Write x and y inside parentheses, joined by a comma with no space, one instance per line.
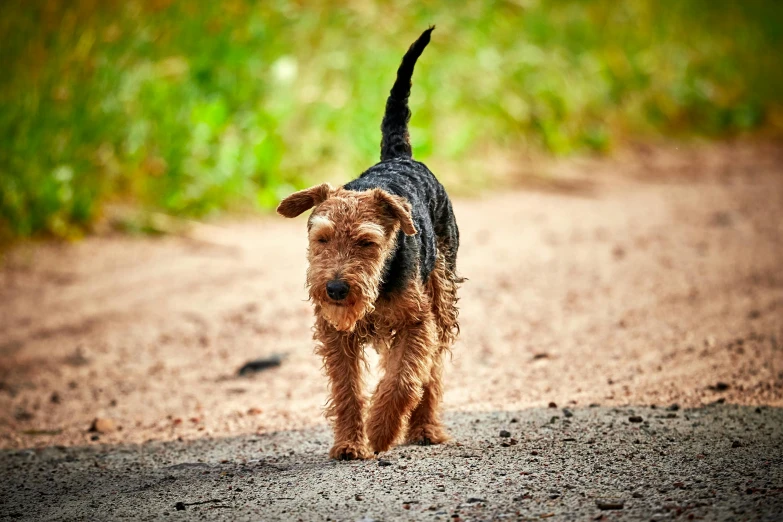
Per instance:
(343,355)
(400,390)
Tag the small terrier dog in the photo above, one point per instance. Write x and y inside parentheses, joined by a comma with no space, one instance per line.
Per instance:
(382,270)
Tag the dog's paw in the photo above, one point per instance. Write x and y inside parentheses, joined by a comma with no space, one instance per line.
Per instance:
(426,435)
(350,451)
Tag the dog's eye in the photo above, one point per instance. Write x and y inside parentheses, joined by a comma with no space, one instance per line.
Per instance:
(366,243)
(323,239)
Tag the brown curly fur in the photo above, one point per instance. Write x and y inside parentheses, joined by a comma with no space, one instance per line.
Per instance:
(411,329)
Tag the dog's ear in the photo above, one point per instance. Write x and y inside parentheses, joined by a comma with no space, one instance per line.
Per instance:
(398,208)
(303,200)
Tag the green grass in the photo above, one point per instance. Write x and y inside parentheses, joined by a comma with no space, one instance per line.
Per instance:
(195,107)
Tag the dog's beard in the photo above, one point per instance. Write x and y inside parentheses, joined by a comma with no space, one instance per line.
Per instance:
(344,315)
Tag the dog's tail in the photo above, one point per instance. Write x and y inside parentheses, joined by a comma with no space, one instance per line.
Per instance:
(395,141)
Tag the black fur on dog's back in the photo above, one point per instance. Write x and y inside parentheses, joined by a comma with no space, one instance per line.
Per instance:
(399,174)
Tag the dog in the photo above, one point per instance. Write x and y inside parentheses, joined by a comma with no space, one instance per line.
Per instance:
(382,271)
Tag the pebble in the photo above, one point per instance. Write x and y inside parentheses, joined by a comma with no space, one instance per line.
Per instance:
(103,425)
(504,433)
(605,504)
(567,413)
(382,462)
(179,506)
(736,444)
(635,418)
(259,365)
(23,415)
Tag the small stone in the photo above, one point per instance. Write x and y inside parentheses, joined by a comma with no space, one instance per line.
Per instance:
(514,420)
(671,415)
(358,496)
(473,500)
(567,413)
(637,494)
(179,506)
(736,444)
(103,425)
(382,462)
(23,415)
(552,405)
(534,452)
(758,410)
(605,504)
(260,365)
(722,218)
(505,433)
(635,418)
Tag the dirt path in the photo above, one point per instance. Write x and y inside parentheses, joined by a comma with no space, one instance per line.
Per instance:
(654,282)
(722,462)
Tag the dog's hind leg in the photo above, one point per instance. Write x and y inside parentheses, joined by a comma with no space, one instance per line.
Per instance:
(425,426)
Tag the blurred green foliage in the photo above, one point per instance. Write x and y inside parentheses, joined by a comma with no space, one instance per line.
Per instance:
(192,107)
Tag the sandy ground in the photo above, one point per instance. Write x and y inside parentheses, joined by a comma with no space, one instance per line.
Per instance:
(650,279)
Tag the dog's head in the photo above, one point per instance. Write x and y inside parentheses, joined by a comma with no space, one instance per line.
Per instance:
(351,235)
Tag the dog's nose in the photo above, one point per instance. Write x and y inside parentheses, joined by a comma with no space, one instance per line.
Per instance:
(337,289)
